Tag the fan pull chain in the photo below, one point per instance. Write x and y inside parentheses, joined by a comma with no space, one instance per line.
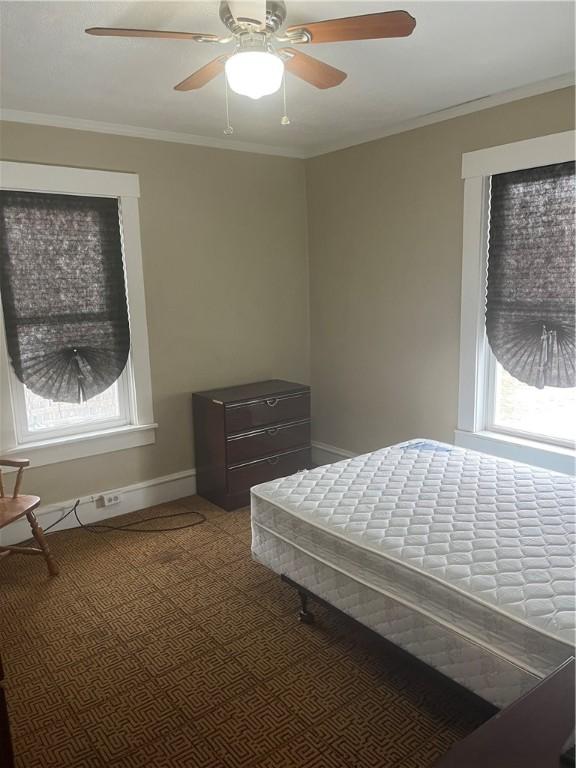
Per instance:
(229,130)
(285,119)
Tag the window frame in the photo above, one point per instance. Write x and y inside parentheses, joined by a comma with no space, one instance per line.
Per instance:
(476,358)
(88,440)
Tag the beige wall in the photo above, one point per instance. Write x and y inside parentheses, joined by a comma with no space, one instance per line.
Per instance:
(385,240)
(225,250)
(226,280)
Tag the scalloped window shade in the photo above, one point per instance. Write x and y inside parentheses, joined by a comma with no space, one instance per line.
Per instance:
(530,302)
(63,293)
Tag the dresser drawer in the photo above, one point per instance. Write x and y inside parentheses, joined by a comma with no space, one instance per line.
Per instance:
(259,413)
(264,442)
(244,476)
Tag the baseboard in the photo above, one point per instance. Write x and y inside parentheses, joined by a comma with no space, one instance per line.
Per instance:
(91,510)
(322,453)
(135,497)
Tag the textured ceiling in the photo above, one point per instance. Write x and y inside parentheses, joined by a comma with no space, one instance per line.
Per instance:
(460,51)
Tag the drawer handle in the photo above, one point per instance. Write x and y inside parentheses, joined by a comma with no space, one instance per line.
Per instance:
(272,431)
(273,460)
(272,402)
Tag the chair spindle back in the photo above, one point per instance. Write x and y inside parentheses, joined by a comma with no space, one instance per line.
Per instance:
(20,464)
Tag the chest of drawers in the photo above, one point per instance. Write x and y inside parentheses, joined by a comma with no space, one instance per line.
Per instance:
(247,435)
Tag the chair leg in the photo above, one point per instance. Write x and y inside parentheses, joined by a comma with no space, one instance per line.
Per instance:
(38,534)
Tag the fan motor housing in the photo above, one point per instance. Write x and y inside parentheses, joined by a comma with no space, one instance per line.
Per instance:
(253,41)
(275,17)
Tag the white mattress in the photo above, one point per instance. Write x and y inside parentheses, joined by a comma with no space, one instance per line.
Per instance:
(477,545)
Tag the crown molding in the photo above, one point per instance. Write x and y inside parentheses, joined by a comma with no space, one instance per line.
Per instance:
(494,100)
(477,105)
(155,134)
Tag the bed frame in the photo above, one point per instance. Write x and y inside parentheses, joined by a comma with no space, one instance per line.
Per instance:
(307,617)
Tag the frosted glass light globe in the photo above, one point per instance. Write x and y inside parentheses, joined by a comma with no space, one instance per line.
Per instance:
(254,73)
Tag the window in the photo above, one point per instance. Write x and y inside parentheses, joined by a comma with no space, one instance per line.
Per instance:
(75,368)
(530,307)
(547,414)
(517,396)
(46,418)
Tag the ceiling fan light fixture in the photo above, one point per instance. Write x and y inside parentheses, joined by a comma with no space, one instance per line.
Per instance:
(254,73)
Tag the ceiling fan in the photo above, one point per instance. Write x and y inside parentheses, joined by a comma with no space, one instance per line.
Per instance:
(263,52)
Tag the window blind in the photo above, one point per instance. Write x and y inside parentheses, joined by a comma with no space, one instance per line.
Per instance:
(530,301)
(63,293)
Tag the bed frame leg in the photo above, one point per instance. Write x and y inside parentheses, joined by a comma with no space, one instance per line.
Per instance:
(304,614)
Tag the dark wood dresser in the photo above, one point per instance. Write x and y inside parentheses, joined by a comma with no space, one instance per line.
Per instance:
(248,435)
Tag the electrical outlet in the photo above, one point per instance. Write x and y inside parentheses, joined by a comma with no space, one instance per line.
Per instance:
(110,499)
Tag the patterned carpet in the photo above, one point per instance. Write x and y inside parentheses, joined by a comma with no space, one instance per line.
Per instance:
(175,649)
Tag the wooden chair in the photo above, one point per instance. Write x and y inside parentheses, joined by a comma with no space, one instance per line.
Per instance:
(16,506)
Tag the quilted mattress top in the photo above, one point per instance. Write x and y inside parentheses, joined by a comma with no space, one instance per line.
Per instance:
(500,532)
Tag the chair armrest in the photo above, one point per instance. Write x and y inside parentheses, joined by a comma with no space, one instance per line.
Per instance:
(21,463)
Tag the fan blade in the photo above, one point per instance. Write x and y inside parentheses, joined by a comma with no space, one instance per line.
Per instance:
(203,75)
(310,69)
(369,27)
(158,33)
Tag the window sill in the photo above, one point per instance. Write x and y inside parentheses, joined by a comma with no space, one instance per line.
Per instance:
(60,449)
(553,457)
